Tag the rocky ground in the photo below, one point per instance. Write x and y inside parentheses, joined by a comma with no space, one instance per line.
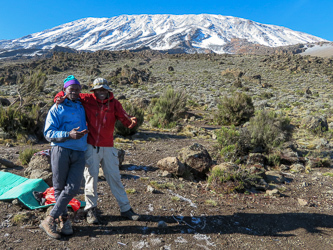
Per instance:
(293,213)
(183,213)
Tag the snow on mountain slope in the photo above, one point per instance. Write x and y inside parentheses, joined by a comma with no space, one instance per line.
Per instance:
(159,32)
(322,50)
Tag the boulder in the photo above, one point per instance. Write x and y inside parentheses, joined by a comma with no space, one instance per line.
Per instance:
(152,190)
(274,192)
(297,168)
(257,169)
(289,156)
(40,162)
(170,68)
(6,163)
(274,177)
(41,174)
(197,159)
(172,165)
(302,202)
(315,123)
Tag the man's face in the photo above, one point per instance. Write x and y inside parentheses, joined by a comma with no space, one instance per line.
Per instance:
(101,93)
(72,92)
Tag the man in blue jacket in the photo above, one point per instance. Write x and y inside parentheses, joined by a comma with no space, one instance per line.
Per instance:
(66,129)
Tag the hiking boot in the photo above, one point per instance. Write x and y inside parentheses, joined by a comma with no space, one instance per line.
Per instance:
(129,214)
(92,216)
(49,226)
(65,225)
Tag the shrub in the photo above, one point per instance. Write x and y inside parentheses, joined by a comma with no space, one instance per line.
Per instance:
(130,191)
(25,117)
(238,83)
(274,160)
(299,92)
(236,73)
(20,218)
(229,182)
(265,131)
(113,80)
(236,109)
(158,185)
(232,143)
(211,202)
(25,155)
(32,85)
(268,129)
(15,122)
(175,198)
(133,111)
(167,109)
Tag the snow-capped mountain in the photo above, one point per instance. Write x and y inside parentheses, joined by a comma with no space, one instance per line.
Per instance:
(191,33)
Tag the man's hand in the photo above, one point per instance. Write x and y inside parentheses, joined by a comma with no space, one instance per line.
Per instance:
(134,122)
(60,100)
(75,134)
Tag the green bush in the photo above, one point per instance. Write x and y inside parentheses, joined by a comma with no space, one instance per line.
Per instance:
(268,129)
(265,131)
(25,117)
(23,122)
(274,160)
(167,109)
(236,109)
(232,143)
(25,155)
(237,180)
(33,84)
(15,122)
(132,110)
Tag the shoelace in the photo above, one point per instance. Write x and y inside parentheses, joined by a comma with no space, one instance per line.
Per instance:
(53,227)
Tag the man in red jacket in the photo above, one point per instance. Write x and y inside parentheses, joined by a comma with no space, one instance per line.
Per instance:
(102,111)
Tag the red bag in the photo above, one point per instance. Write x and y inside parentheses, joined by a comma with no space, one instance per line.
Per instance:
(49,197)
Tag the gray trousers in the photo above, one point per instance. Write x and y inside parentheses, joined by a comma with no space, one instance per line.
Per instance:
(67,168)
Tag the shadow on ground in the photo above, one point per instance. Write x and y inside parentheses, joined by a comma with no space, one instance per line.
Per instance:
(278,225)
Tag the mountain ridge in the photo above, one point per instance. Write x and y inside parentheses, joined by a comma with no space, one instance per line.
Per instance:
(189,33)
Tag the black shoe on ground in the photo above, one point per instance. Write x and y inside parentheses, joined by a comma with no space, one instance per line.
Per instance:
(65,225)
(92,216)
(129,214)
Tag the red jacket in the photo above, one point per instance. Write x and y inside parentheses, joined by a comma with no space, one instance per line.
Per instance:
(101,118)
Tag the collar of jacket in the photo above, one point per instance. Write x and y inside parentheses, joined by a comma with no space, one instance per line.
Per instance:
(71,103)
(105,100)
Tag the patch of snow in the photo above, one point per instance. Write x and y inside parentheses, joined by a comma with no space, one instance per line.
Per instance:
(204,237)
(180,240)
(183,198)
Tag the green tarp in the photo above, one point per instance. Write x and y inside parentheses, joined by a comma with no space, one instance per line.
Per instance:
(17,187)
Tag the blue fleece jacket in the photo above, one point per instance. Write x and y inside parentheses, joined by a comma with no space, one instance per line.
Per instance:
(61,120)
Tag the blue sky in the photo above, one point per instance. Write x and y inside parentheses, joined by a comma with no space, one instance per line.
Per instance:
(21,17)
